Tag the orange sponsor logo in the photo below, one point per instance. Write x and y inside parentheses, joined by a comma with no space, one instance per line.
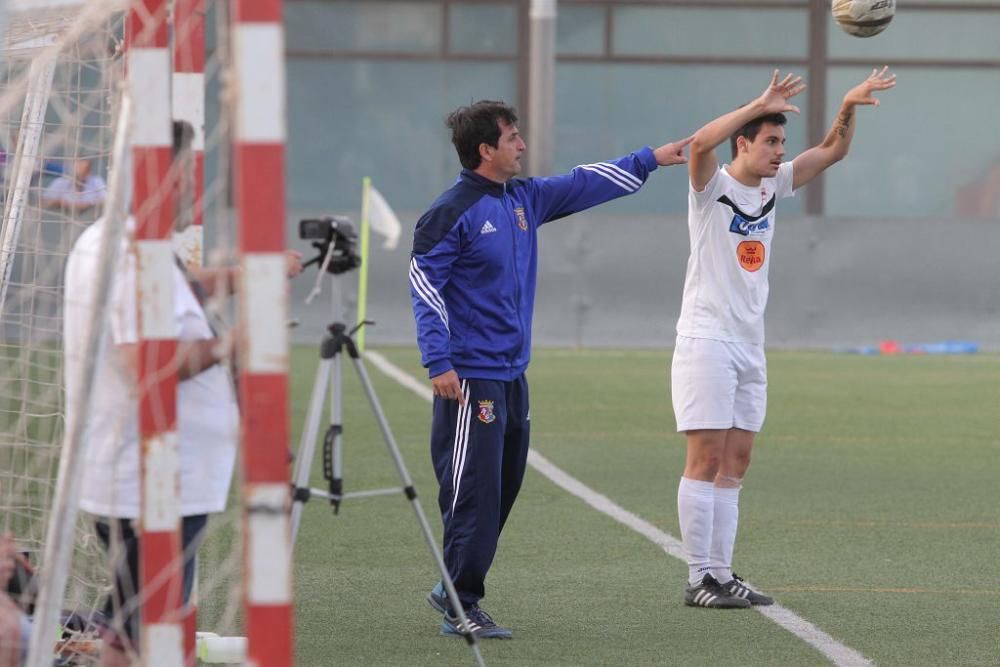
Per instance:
(751,255)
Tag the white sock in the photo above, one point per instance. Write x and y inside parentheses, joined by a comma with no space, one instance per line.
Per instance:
(695,506)
(724,522)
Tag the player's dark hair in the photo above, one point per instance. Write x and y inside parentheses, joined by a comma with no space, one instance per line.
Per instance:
(477,124)
(750,130)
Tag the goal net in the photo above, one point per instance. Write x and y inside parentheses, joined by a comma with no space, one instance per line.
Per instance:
(62,79)
(57,76)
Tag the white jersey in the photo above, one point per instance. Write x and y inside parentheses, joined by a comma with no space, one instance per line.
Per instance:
(207,415)
(731,227)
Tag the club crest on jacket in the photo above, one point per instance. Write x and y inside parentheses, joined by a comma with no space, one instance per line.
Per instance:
(522,221)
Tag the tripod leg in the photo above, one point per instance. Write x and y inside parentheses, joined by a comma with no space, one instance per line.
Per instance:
(411,494)
(307,444)
(336,422)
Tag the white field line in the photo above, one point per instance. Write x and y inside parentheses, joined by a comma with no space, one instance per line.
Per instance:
(838,653)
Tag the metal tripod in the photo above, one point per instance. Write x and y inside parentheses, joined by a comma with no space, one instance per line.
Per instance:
(336,340)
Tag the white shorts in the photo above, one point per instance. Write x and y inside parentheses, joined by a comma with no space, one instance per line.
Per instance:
(718,385)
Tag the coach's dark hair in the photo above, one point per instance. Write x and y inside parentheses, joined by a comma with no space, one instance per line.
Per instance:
(751,129)
(478,124)
(183,136)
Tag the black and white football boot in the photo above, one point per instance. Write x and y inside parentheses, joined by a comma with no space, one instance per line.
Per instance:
(710,593)
(738,589)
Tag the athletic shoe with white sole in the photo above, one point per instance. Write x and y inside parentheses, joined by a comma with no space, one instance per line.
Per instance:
(480,623)
(710,593)
(738,589)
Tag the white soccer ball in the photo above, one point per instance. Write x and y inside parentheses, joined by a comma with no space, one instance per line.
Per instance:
(863,18)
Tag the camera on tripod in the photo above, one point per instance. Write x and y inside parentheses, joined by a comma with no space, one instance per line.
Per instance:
(332,234)
(337,242)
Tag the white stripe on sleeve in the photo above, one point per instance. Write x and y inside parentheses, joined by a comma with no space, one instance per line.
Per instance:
(614,178)
(427,292)
(627,175)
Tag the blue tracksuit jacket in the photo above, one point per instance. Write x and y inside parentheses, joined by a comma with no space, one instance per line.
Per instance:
(475,257)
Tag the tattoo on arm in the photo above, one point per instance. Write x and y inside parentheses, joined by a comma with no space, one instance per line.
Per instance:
(844,122)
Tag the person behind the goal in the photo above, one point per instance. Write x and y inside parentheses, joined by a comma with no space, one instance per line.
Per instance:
(207,413)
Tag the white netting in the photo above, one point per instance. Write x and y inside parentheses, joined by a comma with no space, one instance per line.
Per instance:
(61,74)
(57,75)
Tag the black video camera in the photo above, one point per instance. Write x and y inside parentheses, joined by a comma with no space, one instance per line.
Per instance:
(332,234)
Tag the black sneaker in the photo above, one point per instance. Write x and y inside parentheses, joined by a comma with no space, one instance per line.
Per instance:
(480,623)
(738,589)
(710,593)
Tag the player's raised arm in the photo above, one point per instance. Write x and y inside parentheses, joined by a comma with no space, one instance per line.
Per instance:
(702,164)
(812,162)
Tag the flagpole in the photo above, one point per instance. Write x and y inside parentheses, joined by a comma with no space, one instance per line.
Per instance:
(366,186)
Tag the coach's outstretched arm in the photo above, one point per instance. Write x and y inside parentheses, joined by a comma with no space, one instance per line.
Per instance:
(590,185)
(702,164)
(814,161)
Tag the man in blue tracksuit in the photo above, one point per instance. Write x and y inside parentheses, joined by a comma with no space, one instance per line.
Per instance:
(472,281)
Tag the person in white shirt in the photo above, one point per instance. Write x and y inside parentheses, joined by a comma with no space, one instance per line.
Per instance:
(77,191)
(718,373)
(207,412)
(207,423)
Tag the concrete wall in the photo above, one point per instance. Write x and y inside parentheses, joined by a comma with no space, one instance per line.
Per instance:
(835,283)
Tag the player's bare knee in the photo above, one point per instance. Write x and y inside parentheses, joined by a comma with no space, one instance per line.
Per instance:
(704,455)
(736,463)
(705,466)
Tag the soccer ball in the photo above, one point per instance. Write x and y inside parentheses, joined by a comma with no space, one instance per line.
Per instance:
(863,18)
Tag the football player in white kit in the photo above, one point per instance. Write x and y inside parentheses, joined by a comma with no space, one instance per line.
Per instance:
(719,374)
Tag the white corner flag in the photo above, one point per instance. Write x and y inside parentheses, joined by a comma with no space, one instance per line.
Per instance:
(383,219)
(378,215)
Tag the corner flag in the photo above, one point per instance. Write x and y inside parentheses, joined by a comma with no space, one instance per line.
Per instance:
(378,215)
